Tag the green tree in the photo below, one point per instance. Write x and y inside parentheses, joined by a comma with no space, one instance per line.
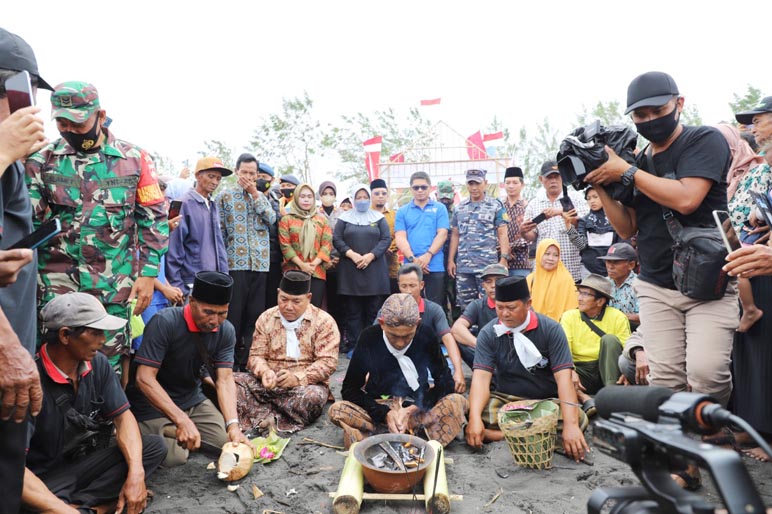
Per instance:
(533,148)
(219,149)
(410,134)
(164,165)
(290,140)
(691,115)
(747,101)
(609,113)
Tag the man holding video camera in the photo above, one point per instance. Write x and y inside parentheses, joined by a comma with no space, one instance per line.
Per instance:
(113,213)
(688,340)
(698,158)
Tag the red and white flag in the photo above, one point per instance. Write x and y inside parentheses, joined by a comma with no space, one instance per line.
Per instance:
(475,147)
(432,101)
(397,157)
(373,156)
(495,139)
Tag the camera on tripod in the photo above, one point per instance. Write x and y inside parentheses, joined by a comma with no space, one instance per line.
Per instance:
(585,150)
(644,427)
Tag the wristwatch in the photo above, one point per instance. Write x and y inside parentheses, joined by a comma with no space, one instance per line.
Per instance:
(627,176)
(505,256)
(410,259)
(230,422)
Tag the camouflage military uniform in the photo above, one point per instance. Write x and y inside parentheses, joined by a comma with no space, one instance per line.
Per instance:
(113,217)
(477,224)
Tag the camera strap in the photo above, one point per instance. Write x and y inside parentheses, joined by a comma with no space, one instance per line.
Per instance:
(204,355)
(674,226)
(595,328)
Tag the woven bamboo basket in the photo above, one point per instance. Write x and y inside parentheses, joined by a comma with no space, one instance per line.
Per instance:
(530,428)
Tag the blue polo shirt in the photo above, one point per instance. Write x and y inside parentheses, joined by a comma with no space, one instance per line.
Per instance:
(421,225)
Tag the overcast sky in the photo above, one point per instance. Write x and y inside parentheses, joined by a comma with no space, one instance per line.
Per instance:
(174,74)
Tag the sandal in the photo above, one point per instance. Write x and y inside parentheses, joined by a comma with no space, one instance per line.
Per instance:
(589,407)
(690,482)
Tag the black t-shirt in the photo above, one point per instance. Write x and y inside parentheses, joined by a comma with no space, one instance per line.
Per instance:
(478,314)
(698,152)
(498,356)
(99,397)
(169,344)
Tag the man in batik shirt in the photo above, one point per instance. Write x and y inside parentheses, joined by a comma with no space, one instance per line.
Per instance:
(294,353)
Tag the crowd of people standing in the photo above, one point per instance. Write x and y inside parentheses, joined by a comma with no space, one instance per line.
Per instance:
(250,293)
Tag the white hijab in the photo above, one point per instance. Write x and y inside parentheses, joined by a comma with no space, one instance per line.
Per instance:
(355,217)
(527,352)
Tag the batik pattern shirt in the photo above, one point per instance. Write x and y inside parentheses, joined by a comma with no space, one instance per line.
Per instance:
(555,228)
(246,226)
(518,245)
(319,340)
(623,297)
(290,228)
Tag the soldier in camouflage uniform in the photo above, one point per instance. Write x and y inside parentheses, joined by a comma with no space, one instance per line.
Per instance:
(478,225)
(113,213)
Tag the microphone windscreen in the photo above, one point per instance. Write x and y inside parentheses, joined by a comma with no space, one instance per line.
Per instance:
(639,400)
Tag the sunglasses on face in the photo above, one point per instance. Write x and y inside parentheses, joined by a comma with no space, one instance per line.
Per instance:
(419,188)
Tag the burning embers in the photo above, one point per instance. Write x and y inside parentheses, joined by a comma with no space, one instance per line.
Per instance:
(397,456)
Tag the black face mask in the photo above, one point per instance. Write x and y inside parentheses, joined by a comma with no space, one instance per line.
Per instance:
(447,203)
(263,185)
(287,193)
(658,130)
(84,142)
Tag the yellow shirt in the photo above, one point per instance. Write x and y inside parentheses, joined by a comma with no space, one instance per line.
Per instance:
(583,342)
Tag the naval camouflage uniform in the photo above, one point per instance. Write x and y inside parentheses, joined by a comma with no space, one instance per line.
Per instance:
(477,224)
(113,216)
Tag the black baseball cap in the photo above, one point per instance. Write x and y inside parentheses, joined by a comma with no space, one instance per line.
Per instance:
(17,55)
(652,89)
(746,117)
(548,168)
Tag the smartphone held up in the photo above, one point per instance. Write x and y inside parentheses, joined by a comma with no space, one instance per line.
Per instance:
(19,91)
(728,234)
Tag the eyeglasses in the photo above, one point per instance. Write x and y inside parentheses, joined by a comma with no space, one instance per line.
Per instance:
(419,188)
(380,193)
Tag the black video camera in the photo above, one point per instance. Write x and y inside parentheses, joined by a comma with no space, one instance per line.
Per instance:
(585,150)
(644,427)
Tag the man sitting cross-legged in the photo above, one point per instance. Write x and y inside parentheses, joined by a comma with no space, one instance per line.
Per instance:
(596,334)
(527,354)
(387,383)
(294,353)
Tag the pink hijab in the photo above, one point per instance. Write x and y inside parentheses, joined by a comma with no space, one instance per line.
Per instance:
(743,158)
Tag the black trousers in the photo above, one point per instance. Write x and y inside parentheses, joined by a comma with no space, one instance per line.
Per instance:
(98,477)
(334,303)
(274,277)
(13,442)
(360,314)
(434,287)
(317,291)
(247,304)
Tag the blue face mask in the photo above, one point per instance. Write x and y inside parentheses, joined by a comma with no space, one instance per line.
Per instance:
(362,205)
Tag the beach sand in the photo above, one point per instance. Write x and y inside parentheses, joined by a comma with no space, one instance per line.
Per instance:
(299,482)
